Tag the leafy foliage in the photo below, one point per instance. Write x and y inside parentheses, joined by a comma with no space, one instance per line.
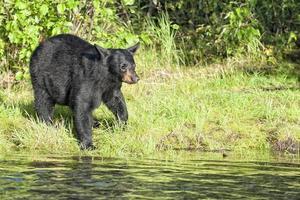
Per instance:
(212,28)
(26,23)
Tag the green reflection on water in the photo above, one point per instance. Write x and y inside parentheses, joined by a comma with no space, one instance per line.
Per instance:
(201,177)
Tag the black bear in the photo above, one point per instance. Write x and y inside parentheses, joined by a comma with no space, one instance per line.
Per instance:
(69,71)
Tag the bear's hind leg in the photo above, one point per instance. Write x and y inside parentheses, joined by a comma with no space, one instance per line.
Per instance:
(44,105)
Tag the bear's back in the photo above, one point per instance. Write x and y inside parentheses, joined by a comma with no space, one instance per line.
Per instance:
(55,47)
(55,62)
(68,41)
(58,54)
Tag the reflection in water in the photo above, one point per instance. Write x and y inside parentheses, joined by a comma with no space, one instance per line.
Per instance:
(96,178)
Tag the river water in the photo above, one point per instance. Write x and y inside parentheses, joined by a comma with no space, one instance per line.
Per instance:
(108,178)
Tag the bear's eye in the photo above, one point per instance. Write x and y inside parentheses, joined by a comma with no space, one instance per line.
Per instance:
(123,67)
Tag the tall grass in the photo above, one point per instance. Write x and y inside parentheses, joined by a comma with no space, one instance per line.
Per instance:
(164,34)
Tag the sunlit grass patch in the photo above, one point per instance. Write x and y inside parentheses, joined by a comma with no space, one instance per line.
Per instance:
(40,137)
(169,110)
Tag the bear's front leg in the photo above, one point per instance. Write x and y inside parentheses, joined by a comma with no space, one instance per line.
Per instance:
(83,124)
(115,102)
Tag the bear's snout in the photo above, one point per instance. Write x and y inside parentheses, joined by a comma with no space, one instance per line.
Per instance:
(130,77)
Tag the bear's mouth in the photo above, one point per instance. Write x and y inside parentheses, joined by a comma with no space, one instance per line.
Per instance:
(130,77)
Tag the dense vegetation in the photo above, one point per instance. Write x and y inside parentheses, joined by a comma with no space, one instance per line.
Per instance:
(188,31)
(237,61)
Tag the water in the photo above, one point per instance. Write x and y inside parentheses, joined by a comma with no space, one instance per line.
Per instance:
(107,178)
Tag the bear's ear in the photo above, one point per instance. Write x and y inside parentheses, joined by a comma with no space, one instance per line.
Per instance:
(102,51)
(134,48)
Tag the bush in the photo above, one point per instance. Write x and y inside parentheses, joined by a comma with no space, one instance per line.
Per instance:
(26,23)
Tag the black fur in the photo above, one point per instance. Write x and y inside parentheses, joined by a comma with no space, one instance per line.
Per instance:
(69,71)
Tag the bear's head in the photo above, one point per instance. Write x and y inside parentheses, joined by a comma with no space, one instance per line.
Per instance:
(121,63)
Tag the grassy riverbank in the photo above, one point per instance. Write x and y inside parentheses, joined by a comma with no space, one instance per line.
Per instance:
(237,106)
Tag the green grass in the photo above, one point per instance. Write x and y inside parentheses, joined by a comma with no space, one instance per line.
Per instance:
(197,108)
